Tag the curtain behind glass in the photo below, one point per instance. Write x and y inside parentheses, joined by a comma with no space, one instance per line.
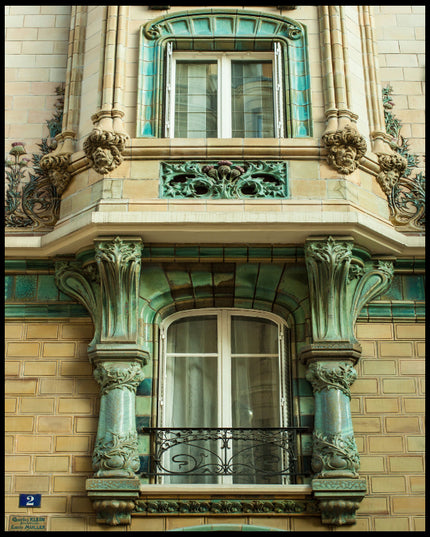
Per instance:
(255,395)
(252,99)
(196,100)
(191,395)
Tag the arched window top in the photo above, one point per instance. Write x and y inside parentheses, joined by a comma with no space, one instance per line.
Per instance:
(223,30)
(224,23)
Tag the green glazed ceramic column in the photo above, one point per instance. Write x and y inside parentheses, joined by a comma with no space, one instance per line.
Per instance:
(107,283)
(341,280)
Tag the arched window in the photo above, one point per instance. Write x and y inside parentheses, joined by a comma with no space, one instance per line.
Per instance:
(223,73)
(224,398)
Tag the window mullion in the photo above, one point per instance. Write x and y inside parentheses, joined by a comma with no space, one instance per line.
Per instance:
(170,93)
(278,91)
(224,113)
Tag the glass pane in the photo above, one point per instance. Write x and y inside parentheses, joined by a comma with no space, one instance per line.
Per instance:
(255,392)
(196,100)
(256,404)
(193,335)
(253,336)
(191,401)
(252,99)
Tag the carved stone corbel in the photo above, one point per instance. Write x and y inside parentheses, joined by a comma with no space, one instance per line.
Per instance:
(340,284)
(106,143)
(345,146)
(108,287)
(392,167)
(56,164)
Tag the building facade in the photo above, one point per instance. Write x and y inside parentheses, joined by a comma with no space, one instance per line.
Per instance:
(214,260)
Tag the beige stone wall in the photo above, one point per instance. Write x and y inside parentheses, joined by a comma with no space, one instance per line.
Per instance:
(388,418)
(400,35)
(35,64)
(51,421)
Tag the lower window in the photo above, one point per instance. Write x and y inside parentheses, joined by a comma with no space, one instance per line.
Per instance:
(224,399)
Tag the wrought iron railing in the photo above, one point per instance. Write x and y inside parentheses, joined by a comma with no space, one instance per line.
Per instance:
(241,455)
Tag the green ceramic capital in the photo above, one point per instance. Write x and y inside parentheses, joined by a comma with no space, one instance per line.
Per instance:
(341,282)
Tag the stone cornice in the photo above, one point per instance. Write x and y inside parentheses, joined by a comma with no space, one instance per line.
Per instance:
(292,226)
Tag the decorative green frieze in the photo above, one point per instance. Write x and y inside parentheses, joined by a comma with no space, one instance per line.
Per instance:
(224,180)
(225,506)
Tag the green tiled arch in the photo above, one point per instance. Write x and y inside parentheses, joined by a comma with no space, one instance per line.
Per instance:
(227,527)
(223,29)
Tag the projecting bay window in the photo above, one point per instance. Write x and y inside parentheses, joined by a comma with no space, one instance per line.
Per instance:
(224,400)
(224,94)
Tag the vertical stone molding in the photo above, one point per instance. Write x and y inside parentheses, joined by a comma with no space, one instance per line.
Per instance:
(108,287)
(342,280)
(105,144)
(56,163)
(345,145)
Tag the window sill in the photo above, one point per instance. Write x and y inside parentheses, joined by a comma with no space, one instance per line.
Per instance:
(283,491)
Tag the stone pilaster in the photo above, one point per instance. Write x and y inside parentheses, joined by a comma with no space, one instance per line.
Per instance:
(108,288)
(340,284)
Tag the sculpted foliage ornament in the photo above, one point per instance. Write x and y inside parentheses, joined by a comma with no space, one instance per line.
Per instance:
(405,193)
(113,376)
(340,284)
(334,454)
(117,455)
(345,148)
(224,180)
(35,203)
(225,506)
(339,378)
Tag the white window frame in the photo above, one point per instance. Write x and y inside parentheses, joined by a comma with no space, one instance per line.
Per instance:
(224,59)
(224,354)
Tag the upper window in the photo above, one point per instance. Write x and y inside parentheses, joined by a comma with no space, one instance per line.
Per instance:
(224,392)
(223,73)
(224,95)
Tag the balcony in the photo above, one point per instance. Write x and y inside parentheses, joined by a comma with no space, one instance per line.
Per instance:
(224,455)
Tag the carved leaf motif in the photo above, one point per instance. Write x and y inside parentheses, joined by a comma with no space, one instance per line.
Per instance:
(324,378)
(224,180)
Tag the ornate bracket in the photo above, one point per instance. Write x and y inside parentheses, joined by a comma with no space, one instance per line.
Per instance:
(341,282)
(56,164)
(345,148)
(405,194)
(108,289)
(106,143)
(224,180)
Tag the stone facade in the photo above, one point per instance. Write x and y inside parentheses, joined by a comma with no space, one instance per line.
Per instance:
(112,227)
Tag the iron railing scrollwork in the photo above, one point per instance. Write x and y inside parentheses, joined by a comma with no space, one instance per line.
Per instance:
(247,455)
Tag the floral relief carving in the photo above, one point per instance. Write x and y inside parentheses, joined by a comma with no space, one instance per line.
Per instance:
(117,455)
(112,376)
(224,180)
(345,148)
(325,378)
(334,454)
